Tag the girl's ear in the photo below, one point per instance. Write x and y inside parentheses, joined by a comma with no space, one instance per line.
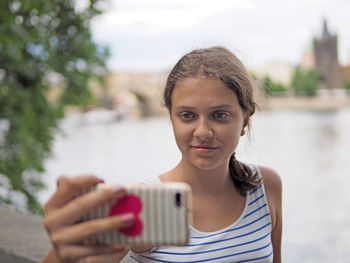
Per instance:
(245,124)
(243,131)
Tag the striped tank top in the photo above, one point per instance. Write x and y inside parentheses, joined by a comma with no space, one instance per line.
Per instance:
(248,239)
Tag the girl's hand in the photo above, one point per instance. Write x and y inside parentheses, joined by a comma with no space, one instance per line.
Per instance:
(63,210)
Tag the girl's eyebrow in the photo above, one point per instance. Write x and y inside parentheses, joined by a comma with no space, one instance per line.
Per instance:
(221,106)
(184,107)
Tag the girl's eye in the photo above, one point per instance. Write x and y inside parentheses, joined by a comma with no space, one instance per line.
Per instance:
(220,115)
(186,116)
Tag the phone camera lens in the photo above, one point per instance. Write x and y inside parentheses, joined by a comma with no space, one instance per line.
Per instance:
(178,199)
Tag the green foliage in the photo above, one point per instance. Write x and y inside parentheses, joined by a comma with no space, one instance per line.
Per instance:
(272,88)
(305,82)
(41,42)
(347,86)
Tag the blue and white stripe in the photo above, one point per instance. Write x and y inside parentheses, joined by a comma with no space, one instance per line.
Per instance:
(248,239)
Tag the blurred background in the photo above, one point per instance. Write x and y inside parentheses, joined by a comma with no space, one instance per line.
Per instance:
(81,89)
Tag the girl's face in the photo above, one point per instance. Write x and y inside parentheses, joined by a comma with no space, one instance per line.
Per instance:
(207,121)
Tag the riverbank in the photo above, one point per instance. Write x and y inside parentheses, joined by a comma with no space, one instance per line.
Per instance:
(23,237)
(321,103)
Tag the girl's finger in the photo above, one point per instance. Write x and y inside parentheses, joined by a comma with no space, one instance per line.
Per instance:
(74,253)
(107,258)
(67,188)
(80,232)
(76,209)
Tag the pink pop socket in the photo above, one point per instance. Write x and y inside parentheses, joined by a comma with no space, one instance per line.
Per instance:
(129,204)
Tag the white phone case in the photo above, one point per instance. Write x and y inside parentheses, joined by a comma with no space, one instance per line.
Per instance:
(166,214)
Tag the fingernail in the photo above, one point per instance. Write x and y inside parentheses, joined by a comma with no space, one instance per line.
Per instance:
(100,180)
(126,218)
(118,189)
(119,248)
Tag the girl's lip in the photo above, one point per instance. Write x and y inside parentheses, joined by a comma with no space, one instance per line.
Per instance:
(203,149)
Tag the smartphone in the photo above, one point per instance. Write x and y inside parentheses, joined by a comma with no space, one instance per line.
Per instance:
(163,215)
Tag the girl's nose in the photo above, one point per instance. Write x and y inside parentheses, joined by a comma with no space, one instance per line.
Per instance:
(203,131)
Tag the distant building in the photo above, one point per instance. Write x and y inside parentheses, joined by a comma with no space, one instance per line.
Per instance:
(326,60)
(308,59)
(277,71)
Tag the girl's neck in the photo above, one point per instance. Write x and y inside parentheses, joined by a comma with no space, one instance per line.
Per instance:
(214,181)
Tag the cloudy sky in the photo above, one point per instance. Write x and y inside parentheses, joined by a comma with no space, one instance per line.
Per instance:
(151,35)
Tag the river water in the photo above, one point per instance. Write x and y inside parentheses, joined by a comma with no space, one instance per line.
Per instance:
(309,149)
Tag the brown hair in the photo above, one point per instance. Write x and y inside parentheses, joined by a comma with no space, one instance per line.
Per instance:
(222,64)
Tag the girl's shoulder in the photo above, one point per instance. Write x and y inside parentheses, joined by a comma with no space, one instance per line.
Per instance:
(273,190)
(272,180)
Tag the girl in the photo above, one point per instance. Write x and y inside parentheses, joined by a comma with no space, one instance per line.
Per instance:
(236,207)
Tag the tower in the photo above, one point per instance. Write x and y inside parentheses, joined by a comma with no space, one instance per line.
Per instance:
(326,60)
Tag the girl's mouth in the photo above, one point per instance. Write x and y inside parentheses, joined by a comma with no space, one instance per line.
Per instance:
(203,149)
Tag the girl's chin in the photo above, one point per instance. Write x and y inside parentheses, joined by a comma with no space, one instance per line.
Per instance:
(205,165)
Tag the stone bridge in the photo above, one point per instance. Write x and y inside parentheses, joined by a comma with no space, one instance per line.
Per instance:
(140,92)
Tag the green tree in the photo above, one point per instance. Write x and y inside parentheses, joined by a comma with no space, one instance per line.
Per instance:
(272,88)
(305,82)
(347,86)
(40,42)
